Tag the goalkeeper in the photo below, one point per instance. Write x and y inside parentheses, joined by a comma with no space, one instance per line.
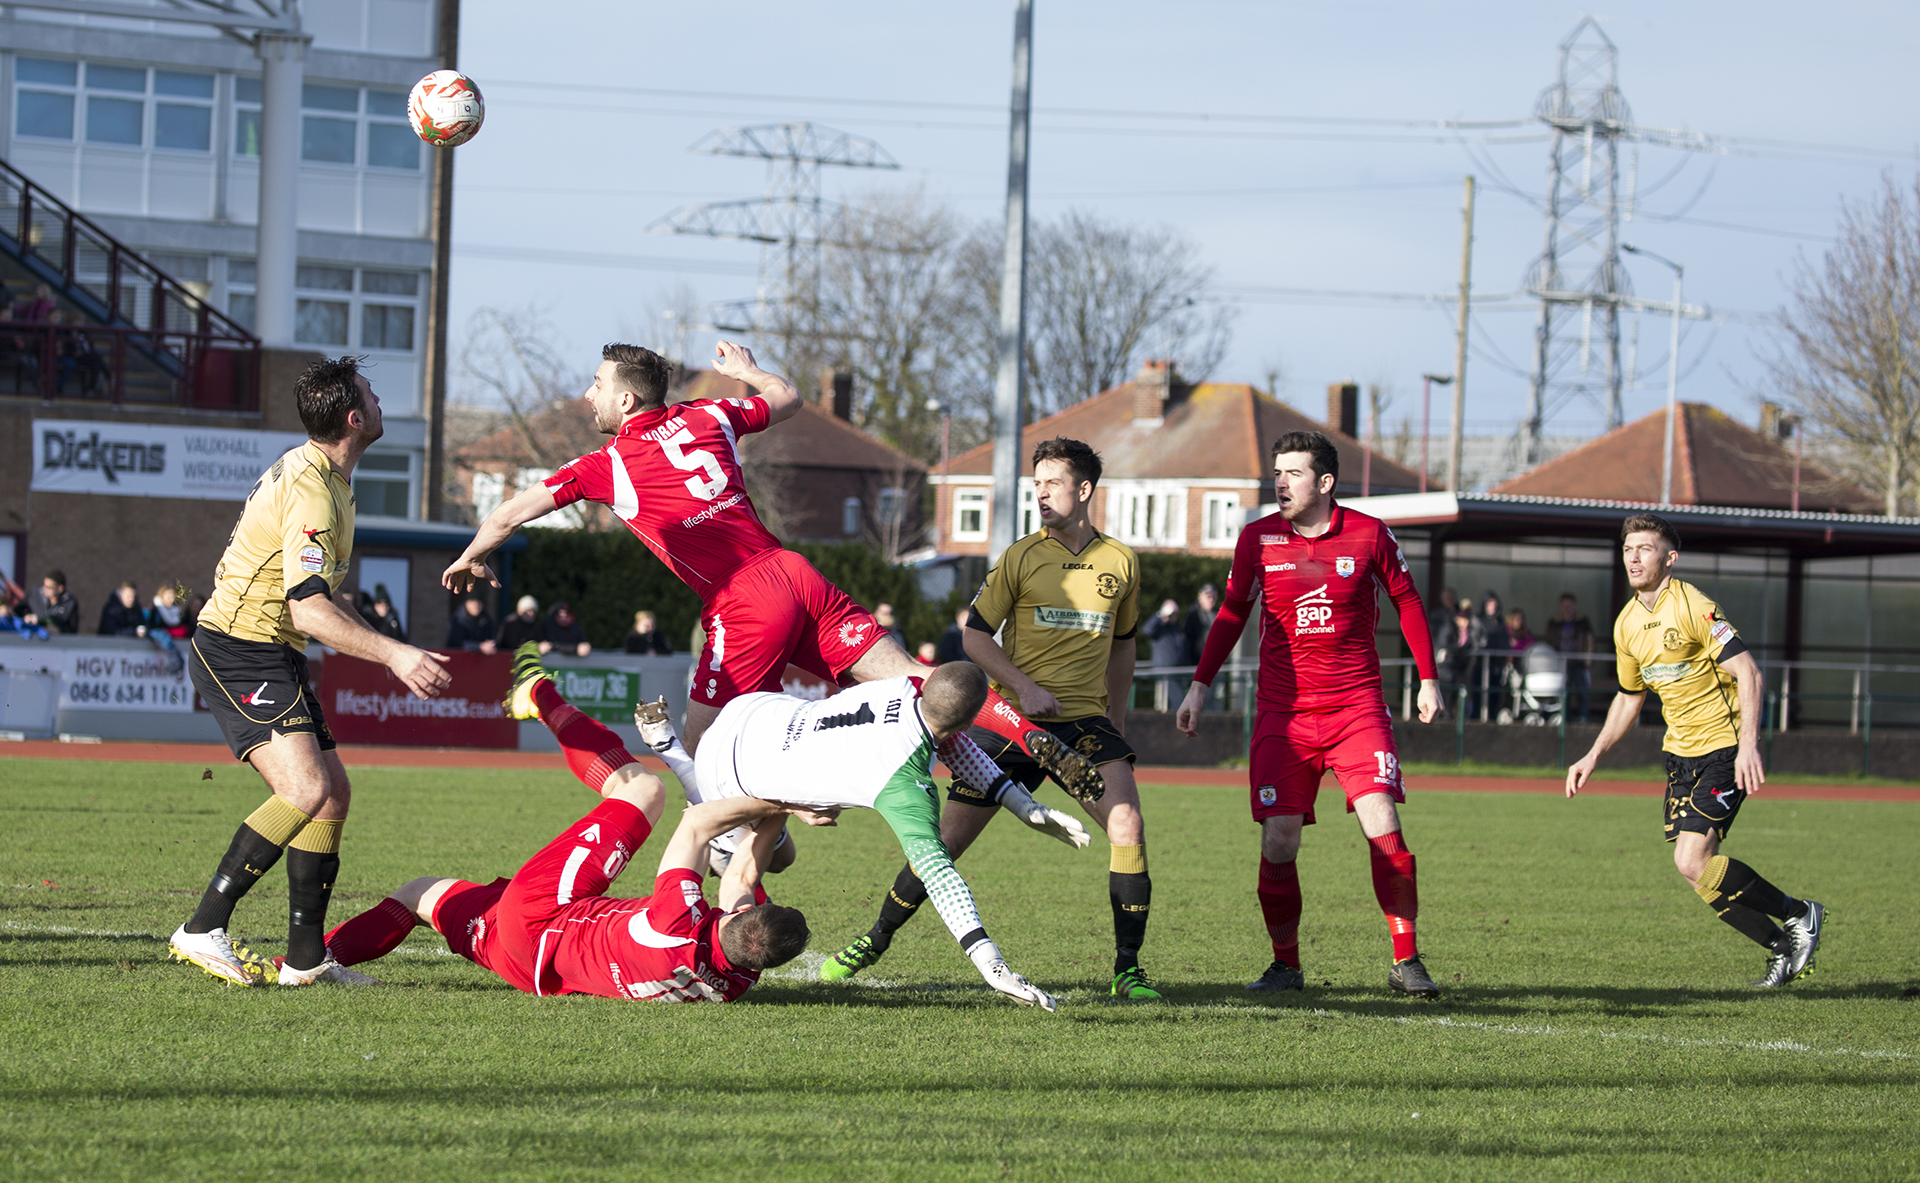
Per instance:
(869,746)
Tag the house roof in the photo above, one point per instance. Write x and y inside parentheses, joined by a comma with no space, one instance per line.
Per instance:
(811,439)
(1716,461)
(1214,429)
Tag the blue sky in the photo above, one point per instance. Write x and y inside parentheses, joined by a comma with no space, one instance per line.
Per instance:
(565,172)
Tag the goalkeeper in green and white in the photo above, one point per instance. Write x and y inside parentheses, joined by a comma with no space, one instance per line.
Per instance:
(870,746)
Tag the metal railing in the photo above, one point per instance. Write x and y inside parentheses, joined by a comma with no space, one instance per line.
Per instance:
(157,341)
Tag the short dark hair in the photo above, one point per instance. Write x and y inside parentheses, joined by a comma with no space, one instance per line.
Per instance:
(1651,523)
(642,371)
(58,576)
(1081,460)
(953,694)
(764,936)
(1325,457)
(325,392)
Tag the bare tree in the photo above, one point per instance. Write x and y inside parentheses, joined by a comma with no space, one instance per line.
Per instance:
(1850,361)
(510,358)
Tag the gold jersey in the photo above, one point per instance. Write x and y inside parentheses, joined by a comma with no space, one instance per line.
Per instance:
(1059,613)
(1675,648)
(296,526)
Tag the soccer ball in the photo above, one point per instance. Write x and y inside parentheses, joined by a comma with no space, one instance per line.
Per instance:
(445,108)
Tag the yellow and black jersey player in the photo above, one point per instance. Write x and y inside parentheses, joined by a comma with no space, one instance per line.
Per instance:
(1065,604)
(273,591)
(1674,640)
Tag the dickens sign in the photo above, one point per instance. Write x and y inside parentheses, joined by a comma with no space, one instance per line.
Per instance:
(152,459)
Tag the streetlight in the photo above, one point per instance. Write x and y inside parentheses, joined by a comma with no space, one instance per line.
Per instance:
(1426,417)
(1673,370)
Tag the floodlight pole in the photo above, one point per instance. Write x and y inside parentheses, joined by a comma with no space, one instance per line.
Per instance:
(1673,371)
(1454,440)
(1010,385)
(1426,418)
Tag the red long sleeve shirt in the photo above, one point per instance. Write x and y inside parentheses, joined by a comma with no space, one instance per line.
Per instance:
(1317,646)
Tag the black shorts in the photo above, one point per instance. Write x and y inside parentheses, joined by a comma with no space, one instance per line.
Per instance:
(1093,737)
(1702,796)
(255,689)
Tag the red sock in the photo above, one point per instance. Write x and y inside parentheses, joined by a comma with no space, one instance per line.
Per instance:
(1000,717)
(372,934)
(1280,906)
(593,751)
(967,762)
(1394,887)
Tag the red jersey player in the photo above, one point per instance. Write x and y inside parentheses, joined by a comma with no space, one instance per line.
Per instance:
(552,929)
(672,474)
(1318,566)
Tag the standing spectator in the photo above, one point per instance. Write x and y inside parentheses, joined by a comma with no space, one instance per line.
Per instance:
(122,615)
(1493,666)
(1440,618)
(1518,635)
(1459,636)
(54,607)
(1572,633)
(646,637)
(953,642)
(1198,620)
(385,620)
(883,616)
(471,628)
(1168,649)
(563,631)
(522,626)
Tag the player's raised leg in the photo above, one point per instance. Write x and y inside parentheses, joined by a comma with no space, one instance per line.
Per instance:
(960,823)
(593,751)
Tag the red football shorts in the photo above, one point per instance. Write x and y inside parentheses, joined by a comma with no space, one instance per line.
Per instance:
(510,926)
(1293,750)
(774,612)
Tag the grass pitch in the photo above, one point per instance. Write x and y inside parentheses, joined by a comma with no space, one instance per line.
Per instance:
(1595,1023)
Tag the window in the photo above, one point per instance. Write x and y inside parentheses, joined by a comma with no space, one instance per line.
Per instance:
(892,502)
(113,102)
(970,515)
(183,112)
(112,119)
(246,117)
(45,113)
(385,326)
(1146,515)
(850,516)
(383,484)
(390,141)
(1220,520)
(1029,510)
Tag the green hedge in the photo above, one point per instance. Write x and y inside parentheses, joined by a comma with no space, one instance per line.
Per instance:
(608,576)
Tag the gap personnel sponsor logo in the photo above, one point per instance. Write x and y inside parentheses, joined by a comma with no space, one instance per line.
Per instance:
(110,457)
(1072,618)
(1666,671)
(406,706)
(1282,566)
(1313,611)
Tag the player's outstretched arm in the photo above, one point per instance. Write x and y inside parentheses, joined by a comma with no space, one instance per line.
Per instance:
(1748,772)
(425,674)
(748,865)
(471,567)
(702,823)
(1620,716)
(736,361)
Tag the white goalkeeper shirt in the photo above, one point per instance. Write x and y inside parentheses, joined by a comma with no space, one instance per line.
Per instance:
(827,753)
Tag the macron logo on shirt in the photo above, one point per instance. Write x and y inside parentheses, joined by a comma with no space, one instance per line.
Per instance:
(1313,611)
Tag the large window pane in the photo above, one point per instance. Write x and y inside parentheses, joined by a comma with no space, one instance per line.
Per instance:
(326,279)
(176,125)
(240,308)
(391,103)
(43,70)
(329,98)
(246,133)
(42,114)
(380,497)
(392,145)
(329,140)
(383,326)
(131,78)
(391,283)
(240,271)
(191,86)
(320,322)
(114,121)
(246,90)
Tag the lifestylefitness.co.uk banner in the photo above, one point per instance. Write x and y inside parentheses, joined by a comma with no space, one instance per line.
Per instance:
(152,459)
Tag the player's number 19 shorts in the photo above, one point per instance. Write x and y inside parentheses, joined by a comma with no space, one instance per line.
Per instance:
(1292,750)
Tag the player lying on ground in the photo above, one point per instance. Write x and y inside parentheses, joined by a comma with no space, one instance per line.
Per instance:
(1065,602)
(552,929)
(672,474)
(1672,638)
(1318,568)
(871,747)
(273,591)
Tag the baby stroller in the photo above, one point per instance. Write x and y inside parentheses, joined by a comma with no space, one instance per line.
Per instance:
(1538,680)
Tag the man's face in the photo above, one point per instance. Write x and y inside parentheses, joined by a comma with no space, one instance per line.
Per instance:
(1566,608)
(1208,599)
(1055,492)
(474,607)
(1648,559)
(1299,489)
(166,597)
(883,615)
(609,399)
(1491,607)
(372,427)
(50,589)
(563,617)
(128,596)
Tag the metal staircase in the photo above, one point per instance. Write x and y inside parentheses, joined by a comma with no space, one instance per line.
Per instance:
(111,327)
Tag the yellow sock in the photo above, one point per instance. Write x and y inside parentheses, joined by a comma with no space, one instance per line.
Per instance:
(319,837)
(276,821)
(1128,860)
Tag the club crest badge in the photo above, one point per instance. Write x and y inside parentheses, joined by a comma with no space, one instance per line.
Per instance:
(1343,566)
(1267,795)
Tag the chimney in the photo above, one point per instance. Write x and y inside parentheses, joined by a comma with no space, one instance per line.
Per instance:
(1775,423)
(836,393)
(1152,387)
(1343,407)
